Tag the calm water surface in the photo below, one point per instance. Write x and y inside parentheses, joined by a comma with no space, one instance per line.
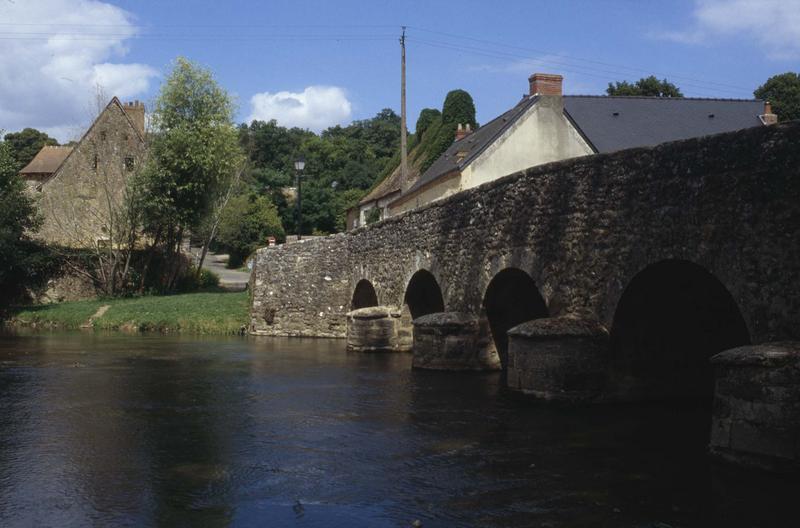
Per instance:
(142,431)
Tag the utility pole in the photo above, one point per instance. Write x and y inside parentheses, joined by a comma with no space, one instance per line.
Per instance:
(403,139)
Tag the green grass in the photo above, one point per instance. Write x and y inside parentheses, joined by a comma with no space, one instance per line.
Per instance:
(196,313)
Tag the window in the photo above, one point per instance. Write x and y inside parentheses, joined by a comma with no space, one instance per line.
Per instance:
(129,162)
(102,135)
(94,162)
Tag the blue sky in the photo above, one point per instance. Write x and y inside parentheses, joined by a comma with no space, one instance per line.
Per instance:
(316,63)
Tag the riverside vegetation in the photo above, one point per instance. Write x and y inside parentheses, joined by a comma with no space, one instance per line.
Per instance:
(197,313)
(228,187)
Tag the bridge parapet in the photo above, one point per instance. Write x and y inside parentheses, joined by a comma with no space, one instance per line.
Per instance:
(581,229)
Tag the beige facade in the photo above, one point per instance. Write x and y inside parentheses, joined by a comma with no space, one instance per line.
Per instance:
(83,200)
(436,190)
(543,134)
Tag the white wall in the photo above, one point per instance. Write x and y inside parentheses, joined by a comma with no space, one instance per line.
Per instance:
(542,135)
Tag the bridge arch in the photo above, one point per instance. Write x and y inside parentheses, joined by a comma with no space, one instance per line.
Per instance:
(511,298)
(671,318)
(423,294)
(363,295)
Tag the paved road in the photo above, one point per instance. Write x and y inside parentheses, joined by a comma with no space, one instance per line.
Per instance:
(229,279)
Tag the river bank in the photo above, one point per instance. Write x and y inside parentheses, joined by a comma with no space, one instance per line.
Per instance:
(195,313)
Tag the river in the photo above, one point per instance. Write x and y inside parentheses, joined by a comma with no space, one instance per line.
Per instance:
(115,430)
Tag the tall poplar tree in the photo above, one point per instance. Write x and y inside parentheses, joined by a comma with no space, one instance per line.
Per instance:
(194,152)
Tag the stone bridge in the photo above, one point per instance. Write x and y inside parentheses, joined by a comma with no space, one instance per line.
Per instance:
(678,252)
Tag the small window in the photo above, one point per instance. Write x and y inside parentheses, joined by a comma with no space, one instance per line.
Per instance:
(94,162)
(102,135)
(129,163)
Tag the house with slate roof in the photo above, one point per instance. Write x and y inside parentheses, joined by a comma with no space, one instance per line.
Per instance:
(548,126)
(79,188)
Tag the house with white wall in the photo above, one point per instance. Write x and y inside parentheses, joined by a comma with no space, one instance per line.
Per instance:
(548,126)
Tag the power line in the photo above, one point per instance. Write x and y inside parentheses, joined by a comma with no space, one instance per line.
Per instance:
(579,59)
(482,47)
(563,66)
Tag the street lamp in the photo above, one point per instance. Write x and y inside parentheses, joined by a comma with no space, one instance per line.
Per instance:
(299,165)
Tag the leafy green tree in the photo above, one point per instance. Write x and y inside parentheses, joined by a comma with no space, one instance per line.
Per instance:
(646,86)
(458,109)
(426,117)
(245,224)
(195,153)
(341,163)
(24,262)
(783,91)
(26,144)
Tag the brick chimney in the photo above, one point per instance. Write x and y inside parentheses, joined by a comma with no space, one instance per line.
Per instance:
(463,131)
(768,118)
(135,110)
(545,84)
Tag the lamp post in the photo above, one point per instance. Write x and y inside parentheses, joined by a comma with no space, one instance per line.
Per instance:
(299,165)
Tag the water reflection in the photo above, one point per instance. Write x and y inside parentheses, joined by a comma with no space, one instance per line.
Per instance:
(115,430)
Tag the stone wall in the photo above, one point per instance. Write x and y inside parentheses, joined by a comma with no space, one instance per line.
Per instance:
(78,200)
(582,229)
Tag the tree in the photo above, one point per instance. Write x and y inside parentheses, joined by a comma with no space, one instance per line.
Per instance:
(646,86)
(783,91)
(341,164)
(24,263)
(26,144)
(458,109)
(245,224)
(426,117)
(194,151)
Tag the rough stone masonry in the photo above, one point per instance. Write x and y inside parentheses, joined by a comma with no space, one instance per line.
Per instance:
(580,228)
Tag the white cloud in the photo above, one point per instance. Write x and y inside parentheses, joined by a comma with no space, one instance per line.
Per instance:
(53,56)
(316,107)
(773,24)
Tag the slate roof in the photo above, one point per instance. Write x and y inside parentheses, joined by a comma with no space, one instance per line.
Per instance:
(47,160)
(617,123)
(610,123)
(462,152)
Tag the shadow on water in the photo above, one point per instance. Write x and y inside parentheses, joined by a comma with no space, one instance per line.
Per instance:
(171,431)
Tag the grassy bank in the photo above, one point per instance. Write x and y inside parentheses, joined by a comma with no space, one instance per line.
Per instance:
(198,313)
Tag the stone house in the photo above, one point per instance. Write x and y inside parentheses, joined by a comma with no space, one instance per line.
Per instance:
(80,189)
(548,126)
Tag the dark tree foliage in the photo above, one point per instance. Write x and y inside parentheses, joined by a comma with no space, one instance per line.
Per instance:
(26,144)
(245,224)
(783,91)
(459,108)
(646,86)
(24,263)
(426,117)
(342,163)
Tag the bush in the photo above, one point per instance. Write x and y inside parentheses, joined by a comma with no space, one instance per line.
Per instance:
(24,262)
(191,282)
(244,226)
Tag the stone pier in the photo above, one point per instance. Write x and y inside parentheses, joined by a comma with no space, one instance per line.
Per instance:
(377,329)
(756,416)
(451,341)
(558,358)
